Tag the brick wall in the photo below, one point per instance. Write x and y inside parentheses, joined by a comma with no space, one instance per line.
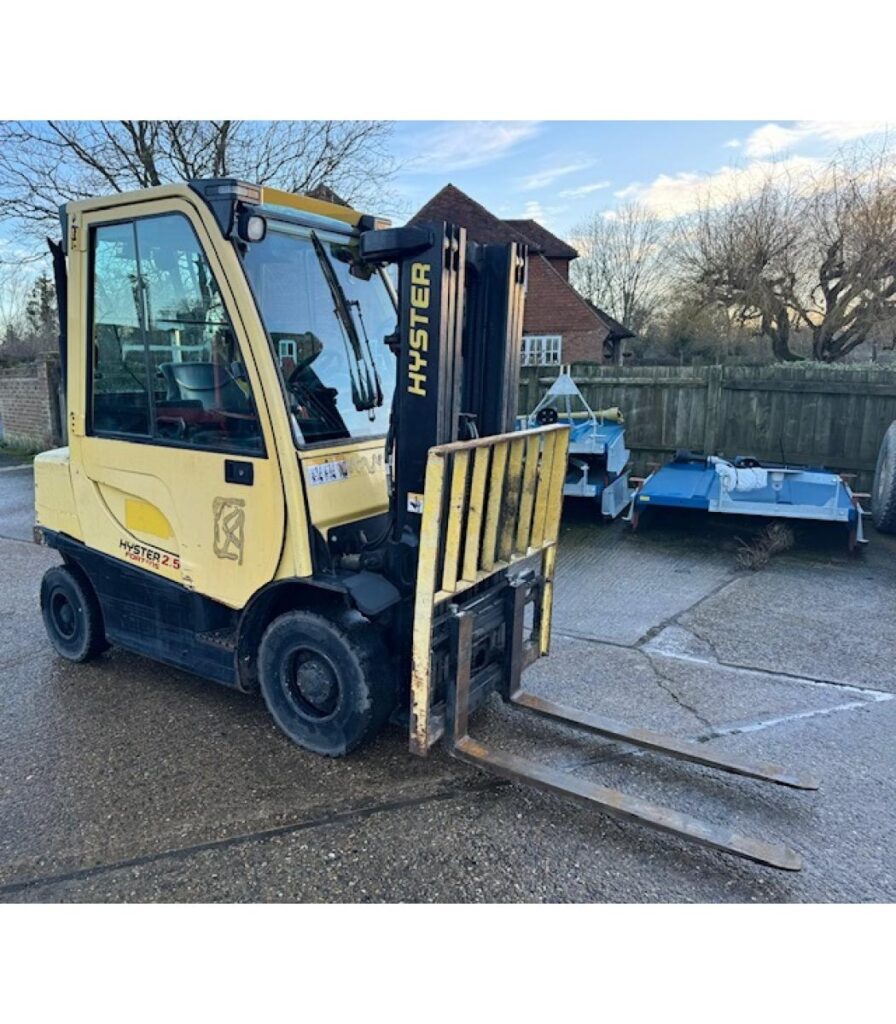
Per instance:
(553,307)
(29,413)
(584,346)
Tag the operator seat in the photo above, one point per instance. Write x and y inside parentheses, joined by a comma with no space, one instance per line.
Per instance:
(210,384)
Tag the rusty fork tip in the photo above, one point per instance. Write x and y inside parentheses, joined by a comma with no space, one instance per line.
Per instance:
(790,860)
(805,782)
(771,855)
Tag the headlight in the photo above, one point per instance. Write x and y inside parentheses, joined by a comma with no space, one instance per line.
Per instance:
(252,227)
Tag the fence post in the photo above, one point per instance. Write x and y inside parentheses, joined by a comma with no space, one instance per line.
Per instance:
(55,400)
(712,423)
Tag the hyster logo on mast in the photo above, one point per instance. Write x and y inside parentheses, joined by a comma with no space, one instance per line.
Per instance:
(419,333)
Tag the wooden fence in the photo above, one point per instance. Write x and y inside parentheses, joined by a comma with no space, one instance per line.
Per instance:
(834,417)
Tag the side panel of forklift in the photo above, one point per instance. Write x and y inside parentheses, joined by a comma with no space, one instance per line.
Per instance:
(345,484)
(173,459)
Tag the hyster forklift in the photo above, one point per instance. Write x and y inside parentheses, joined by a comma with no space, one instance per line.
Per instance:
(286,474)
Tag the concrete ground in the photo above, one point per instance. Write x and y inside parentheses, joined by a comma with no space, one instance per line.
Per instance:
(123,780)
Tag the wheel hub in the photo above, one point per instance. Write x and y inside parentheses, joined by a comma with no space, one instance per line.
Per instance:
(313,685)
(63,615)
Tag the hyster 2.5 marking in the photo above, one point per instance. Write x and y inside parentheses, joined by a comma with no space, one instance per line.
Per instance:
(419,335)
(151,558)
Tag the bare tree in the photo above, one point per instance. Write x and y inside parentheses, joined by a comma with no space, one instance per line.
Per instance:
(622,263)
(852,219)
(15,284)
(817,256)
(743,255)
(45,163)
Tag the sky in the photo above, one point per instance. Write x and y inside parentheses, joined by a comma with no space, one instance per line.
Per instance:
(562,172)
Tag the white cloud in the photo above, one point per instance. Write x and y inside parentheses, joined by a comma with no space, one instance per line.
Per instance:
(584,190)
(769,150)
(462,144)
(669,195)
(772,139)
(533,210)
(541,179)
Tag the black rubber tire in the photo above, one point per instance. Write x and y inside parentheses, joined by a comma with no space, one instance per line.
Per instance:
(329,684)
(72,615)
(883,492)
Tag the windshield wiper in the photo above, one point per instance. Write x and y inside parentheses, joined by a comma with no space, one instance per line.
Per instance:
(365,395)
(379,387)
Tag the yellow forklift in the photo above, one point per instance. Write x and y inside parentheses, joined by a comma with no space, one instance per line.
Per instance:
(291,467)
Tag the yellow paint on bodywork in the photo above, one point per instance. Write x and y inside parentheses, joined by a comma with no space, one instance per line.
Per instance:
(54,505)
(293,201)
(475,513)
(456,509)
(141,517)
(427,561)
(334,498)
(493,509)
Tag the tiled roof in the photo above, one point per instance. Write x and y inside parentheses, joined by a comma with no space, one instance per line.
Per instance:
(451,204)
(552,304)
(542,239)
(616,329)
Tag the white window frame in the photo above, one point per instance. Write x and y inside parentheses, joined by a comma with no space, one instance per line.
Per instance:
(286,349)
(541,350)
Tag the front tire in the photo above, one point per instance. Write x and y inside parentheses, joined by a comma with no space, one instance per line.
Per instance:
(71,614)
(329,684)
(883,492)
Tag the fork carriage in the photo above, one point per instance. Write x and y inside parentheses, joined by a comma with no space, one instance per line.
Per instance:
(488,548)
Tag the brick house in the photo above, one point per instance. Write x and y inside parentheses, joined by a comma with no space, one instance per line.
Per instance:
(559,326)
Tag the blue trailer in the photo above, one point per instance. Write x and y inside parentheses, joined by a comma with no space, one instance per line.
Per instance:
(749,487)
(598,458)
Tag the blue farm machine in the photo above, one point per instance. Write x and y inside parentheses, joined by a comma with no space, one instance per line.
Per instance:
(750,487)
(598,460)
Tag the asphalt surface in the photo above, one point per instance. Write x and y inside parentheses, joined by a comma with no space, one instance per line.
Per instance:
(123,780)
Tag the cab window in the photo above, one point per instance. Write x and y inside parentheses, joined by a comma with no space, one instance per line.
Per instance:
(166,362)
(330,339)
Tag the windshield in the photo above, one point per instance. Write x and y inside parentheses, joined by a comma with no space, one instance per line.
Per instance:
(328,327)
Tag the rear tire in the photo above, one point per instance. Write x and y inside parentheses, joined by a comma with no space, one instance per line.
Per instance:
(329,684)
(72,615)
(883,492)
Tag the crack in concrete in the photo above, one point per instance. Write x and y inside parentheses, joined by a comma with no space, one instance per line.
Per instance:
(673,620)
(667,686)
(703,639)
(717,660)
